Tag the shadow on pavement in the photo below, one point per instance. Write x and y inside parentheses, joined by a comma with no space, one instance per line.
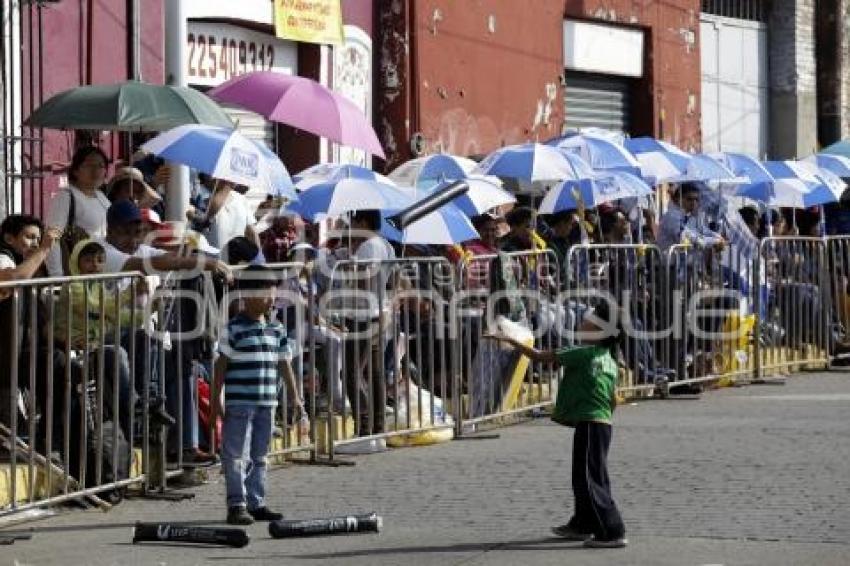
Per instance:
(550,543)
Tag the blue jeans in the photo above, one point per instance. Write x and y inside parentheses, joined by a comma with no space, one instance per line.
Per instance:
(246,434)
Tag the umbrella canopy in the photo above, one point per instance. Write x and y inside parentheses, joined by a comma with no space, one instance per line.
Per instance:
(703,168)
(660,161)
(838,148)
(830,179)
(484,194)
(445,226)
(335,198)
(791,185)
(428,171)
(324,172)
(129,106)
(614,185)
(224,154)
(534,162)
(599,152)
(744,166)
(301,103)
(835,164)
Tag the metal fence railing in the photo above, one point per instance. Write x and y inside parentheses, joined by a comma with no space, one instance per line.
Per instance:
(71,417)
(515,294)
(390,351)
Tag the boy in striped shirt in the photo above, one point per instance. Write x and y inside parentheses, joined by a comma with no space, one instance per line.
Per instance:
(255,353)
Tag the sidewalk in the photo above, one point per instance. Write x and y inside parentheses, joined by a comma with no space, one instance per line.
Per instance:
(757,475)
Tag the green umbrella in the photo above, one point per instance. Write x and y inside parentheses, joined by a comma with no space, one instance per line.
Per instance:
(129,106)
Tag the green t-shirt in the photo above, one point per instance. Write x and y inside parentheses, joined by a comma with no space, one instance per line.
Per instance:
(587,392)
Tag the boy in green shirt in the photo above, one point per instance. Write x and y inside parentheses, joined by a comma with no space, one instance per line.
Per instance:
(586,401)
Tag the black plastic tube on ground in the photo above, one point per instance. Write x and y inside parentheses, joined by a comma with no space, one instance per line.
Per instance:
(346,524)
(169,532)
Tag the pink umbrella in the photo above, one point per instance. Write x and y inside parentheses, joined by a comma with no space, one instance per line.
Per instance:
(301,103)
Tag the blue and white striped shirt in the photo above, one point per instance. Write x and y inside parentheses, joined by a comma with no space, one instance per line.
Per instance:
(254,350)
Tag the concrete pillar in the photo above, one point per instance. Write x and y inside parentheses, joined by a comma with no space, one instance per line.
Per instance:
(176,25)
(394,84)
(793,79)
(830,62)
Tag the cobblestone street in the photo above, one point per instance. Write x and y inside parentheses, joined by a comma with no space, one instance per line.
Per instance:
(756,475)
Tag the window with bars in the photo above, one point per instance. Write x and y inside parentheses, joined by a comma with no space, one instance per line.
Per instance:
(754,10)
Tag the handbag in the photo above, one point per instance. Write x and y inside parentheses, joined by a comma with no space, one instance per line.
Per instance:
(72,235)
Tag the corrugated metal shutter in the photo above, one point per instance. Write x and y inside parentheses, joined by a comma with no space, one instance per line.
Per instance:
(601,101)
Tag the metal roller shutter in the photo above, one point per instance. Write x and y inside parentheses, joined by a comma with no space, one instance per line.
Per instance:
(600,101)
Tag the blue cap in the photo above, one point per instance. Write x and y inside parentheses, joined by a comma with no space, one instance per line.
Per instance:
(123,212)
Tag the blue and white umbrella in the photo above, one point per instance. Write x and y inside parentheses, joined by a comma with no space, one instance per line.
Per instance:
(835,183)
(613,185)
(446,226)
(426,172)
(660,161)
(744,166)
(484,194)
(835,164)
(598,152)
(534,162)
(703,168)
(224,154)
(334,198)
(791,185)
(326,172)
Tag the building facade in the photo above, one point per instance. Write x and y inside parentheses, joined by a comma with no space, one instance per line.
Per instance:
(768,78)
(49,47)
(468,77)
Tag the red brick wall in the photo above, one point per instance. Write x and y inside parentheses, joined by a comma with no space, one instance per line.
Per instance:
(488,73)
(480,74)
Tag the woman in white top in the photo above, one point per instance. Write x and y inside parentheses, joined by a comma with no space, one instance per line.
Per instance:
(85,176)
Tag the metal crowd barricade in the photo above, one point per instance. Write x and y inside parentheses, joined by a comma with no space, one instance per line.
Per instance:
(628,275)
(69,427)
(294,309)
(395,352)
(796,329)
(838,268)
(710,300)
(522,288)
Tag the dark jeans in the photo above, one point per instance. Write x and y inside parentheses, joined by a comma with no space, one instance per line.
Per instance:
(595,510)
(365,375)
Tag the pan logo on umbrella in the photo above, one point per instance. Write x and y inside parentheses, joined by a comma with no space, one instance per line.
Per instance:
(244,163)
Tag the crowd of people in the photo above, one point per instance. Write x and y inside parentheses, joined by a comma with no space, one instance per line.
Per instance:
(96,228)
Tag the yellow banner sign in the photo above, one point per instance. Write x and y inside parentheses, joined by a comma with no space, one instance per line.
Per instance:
(312,21)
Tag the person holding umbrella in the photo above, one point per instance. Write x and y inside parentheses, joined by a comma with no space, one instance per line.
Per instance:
(229,215)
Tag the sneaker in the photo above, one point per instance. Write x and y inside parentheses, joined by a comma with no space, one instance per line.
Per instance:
(568,533)
(610,543)
(363,446)
(265,514)
(238,516)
